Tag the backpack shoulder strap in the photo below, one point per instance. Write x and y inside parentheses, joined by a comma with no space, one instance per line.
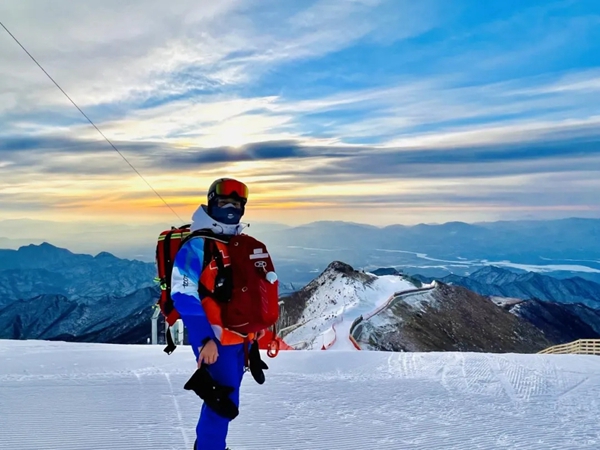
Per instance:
(211,252)
(207,234)
(210,247)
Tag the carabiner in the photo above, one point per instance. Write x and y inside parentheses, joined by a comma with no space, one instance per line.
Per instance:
(273,349)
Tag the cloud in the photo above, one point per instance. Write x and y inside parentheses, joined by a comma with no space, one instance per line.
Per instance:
(378,115)
(297,160)
(322,101)
(174,67)
(102,53)
(152,51)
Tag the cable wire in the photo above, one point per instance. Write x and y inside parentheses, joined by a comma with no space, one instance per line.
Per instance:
(89,120)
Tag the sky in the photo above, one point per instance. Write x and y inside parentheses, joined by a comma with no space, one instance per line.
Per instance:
(369,111)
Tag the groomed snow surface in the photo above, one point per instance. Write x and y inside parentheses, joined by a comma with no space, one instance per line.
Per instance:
(68,396)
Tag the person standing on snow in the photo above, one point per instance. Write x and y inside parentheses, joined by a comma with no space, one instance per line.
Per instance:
(219,352)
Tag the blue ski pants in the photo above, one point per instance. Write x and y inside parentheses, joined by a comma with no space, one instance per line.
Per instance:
(211,431)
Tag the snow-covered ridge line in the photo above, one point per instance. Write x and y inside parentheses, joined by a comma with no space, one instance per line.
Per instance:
(395,295)
(332,302)
(383,307)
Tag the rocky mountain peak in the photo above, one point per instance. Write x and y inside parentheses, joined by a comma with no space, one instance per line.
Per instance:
(337,268)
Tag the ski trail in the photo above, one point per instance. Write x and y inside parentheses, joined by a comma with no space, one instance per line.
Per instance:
(144,401)
(349,343)
(341,300)
(572,388)
(178,410)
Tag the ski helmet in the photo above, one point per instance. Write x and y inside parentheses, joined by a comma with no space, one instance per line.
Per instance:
(227,188)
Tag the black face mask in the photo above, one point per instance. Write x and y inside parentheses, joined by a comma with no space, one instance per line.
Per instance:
(227,214)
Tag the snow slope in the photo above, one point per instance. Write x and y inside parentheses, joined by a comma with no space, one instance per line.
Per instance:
(335,303)
(75,396)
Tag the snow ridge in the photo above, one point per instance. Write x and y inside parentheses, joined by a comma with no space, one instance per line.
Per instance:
(339,296)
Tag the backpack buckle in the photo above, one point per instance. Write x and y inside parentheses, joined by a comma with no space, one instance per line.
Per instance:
(162,283)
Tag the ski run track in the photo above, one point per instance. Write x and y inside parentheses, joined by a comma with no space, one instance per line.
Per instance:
(339,337)
(327,321)
(75,396)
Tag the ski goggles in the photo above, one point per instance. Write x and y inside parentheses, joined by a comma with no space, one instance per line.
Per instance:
(232,188)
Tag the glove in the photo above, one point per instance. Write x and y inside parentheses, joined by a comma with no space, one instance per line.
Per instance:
(215,396)
(257,365)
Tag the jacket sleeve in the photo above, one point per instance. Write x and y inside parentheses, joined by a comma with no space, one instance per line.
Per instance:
(187,268)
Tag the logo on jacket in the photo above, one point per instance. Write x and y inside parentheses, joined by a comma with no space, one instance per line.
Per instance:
(225,258)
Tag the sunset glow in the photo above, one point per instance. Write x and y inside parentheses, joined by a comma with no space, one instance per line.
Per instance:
(378,112)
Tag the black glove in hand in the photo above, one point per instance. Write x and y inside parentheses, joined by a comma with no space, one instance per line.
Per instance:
(257,365)
(216,396)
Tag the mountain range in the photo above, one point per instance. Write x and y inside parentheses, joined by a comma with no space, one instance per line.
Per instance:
(498,282)
(561,248)
(107,319)
(53,293)
(35,270)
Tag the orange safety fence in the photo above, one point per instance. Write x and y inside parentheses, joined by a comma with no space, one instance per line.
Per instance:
(354,342)
(325,347)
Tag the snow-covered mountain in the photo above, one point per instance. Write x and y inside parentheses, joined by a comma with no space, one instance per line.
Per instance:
(328,305)
(441,317)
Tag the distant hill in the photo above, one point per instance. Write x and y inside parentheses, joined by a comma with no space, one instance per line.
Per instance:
(561,248)
(35,270)
(51,293)
(560,323)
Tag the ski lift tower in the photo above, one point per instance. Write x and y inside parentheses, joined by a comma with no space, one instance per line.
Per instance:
(159,329)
